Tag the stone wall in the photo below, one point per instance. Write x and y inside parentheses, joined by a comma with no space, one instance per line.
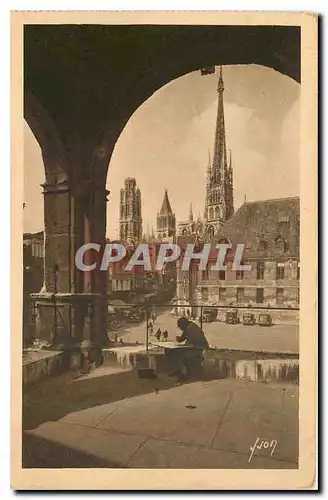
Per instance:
(38,365)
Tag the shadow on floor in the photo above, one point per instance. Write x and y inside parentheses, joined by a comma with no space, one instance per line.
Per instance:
(54,398)
(41,453)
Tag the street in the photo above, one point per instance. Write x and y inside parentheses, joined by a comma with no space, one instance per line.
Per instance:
(276,338)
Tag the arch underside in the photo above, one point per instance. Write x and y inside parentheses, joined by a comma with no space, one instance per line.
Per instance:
(90,98)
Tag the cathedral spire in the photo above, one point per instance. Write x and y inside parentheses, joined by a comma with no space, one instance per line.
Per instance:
(208,183)
(219,189)
(191,215)
(166,226)
(166,207)
(220,148)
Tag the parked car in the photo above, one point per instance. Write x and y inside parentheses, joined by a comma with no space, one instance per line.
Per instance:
(249,319)
(210,315)
(137,316)
(232,318)
(265,320)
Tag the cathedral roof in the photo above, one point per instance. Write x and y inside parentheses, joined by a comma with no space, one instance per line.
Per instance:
(166,207)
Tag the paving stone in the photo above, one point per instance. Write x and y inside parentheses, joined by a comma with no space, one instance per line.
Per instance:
(92,416)
(268,413)
(166,415)
(192,457)
(154,454)
(110,446)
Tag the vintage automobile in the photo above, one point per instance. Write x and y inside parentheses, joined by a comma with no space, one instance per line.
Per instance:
(209,315)
(265,320)
(136,316)
(232,318)
(249,319)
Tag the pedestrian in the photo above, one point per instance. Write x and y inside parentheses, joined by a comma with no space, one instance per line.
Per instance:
(158,334)
(165,335)
(115,337)
(150,328)
(154,317)
(188,313)
(182,359)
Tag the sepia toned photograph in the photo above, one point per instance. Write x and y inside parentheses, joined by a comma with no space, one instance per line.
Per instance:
(166,199)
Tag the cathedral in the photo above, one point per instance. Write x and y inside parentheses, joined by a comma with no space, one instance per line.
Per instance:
(219,206)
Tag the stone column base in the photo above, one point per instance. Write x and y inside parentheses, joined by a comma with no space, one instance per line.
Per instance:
(67,319)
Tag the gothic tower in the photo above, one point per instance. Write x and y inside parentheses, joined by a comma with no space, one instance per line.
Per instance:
(166,219)
(219,190)
(130,212)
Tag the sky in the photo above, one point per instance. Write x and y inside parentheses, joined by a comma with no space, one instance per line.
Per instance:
(167,142)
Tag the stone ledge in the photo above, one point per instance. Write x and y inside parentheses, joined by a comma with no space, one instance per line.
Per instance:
(216,364)
(45,364)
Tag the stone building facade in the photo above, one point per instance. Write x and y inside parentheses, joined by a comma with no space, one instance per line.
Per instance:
(270,232)
(33,276)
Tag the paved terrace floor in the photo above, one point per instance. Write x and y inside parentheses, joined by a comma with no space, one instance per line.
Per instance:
(110,418)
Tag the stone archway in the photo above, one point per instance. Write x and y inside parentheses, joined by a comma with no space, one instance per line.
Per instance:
(79,95)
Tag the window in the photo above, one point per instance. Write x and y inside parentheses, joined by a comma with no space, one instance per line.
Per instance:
(280,295)
(239,275)
(260,270)
(280,271)
(240,294)
(205,293)
(262,245)
(298,270)
(222,275)
(259,295)
(222,293)
(280,244)
(205,274)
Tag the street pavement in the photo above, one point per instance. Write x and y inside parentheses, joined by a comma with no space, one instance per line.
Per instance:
(113,419)
(276,338)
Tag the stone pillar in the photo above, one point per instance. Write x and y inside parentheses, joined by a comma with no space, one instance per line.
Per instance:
(70,306)
(53,317)
(59,238)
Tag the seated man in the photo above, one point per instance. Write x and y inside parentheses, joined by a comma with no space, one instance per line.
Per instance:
(181,359)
